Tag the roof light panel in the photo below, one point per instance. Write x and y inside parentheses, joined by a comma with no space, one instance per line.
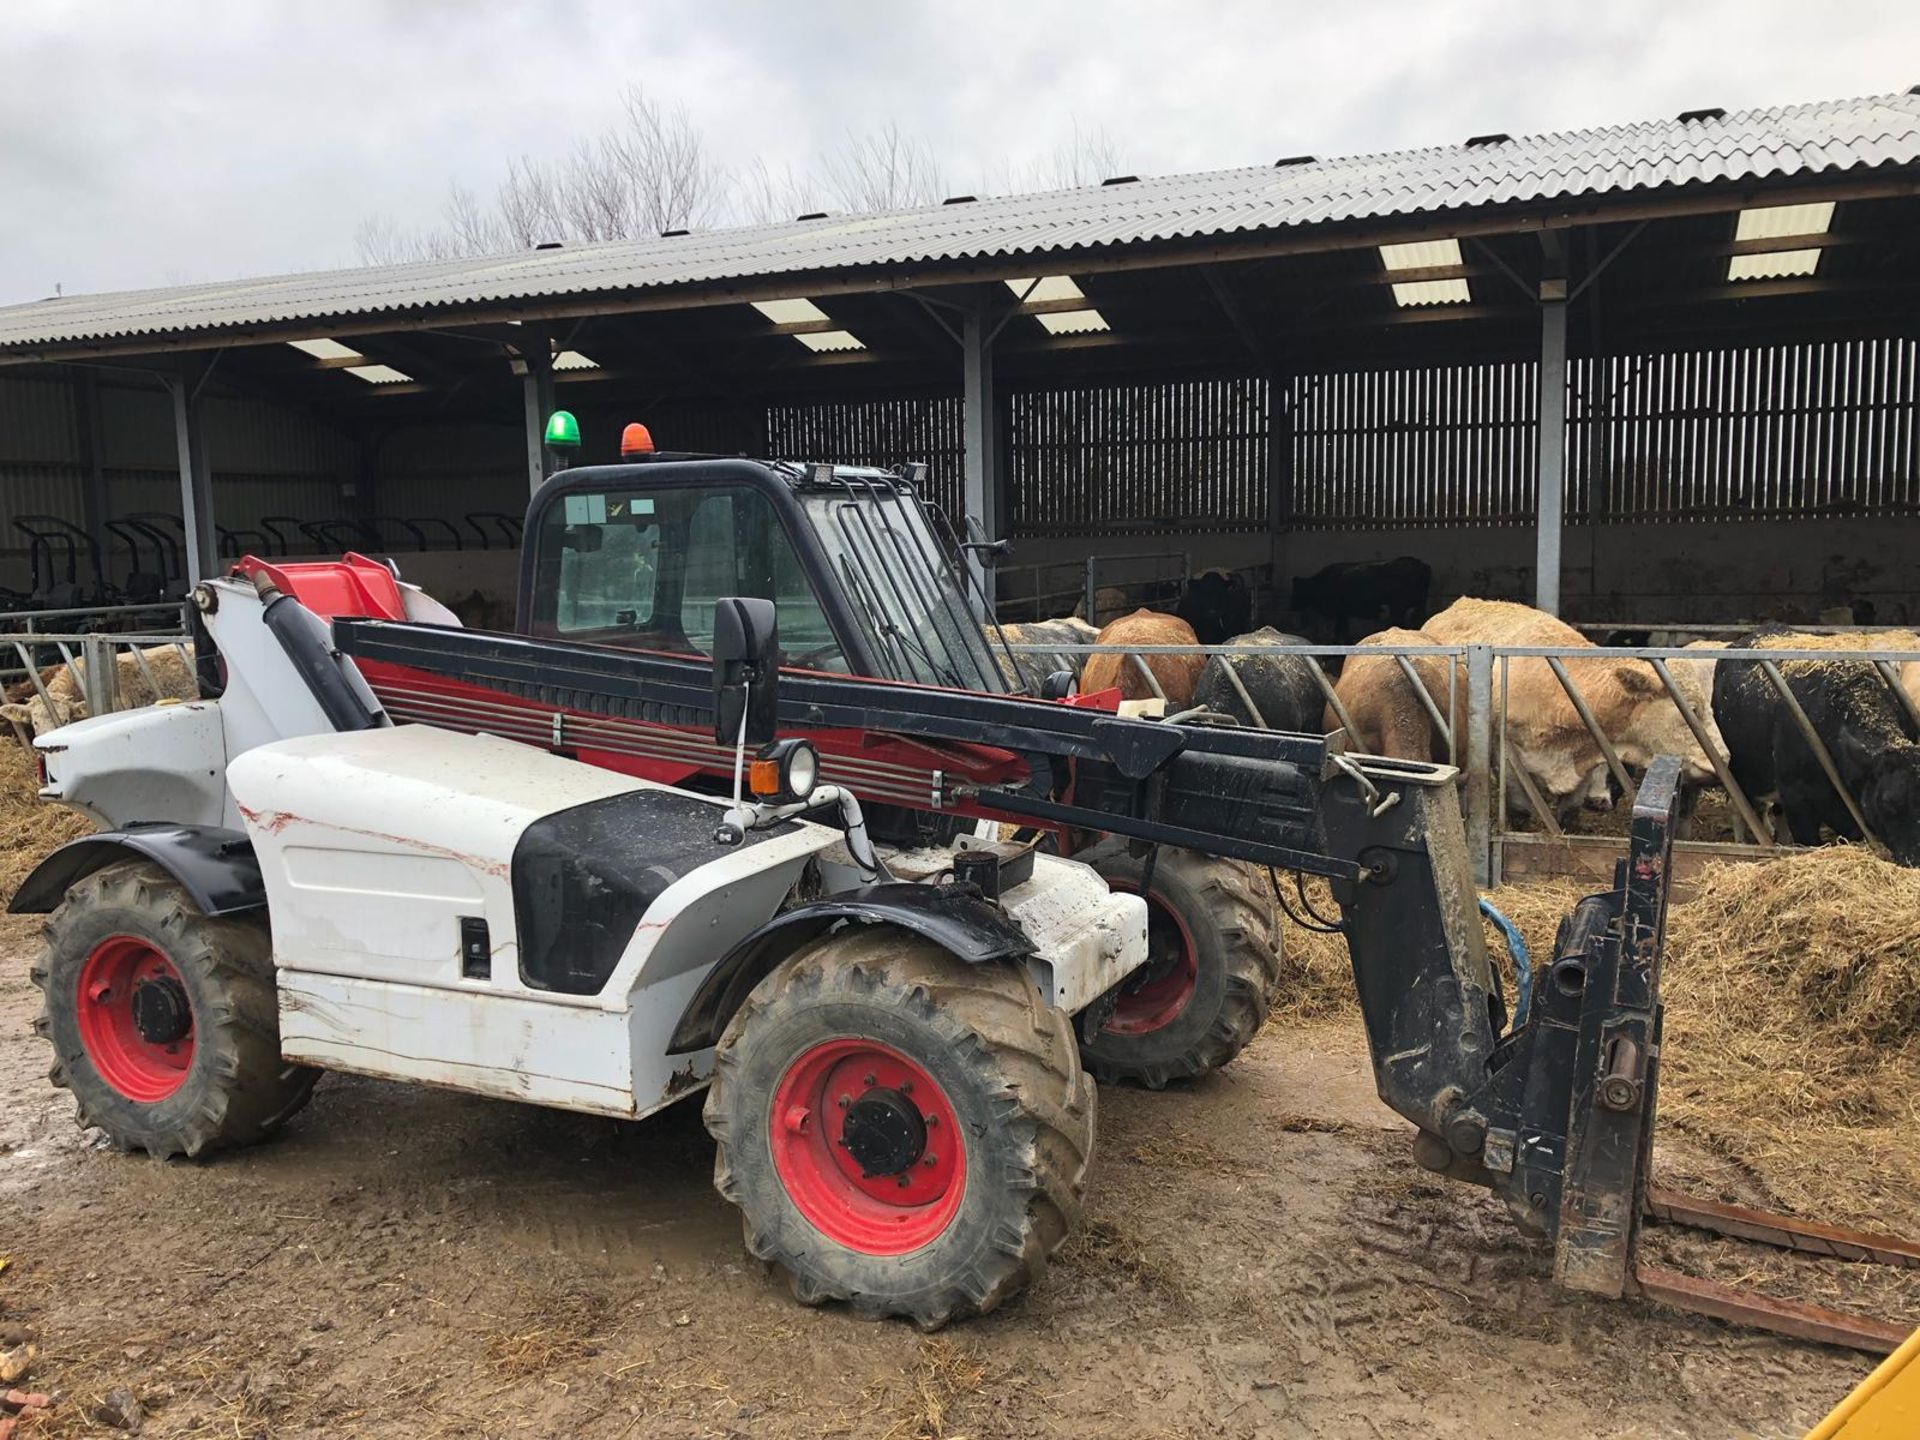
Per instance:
(823,342)
(1431,292)
(1773,265)
(574,360)
(790,312)
(1775,222)
(1074,322)
(378,374)
(325,349)
(1046,287)
(1421,254)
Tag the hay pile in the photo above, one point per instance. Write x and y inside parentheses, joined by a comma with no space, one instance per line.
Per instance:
(1793,1022)
(29,828)
(1793,992)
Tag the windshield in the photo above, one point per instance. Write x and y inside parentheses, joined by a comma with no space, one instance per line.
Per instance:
(643,569)
(900,585)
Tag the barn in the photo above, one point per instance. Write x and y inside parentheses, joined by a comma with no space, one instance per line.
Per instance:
(1657,370)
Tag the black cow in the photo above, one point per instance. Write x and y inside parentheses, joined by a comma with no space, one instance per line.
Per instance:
(1280,684)
(1863,727)
(1217,604)
(1378,592)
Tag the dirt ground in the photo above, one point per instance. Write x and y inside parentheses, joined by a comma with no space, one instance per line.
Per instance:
(1261,1258)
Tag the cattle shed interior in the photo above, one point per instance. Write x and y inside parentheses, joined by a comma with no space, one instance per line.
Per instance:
(1697,339)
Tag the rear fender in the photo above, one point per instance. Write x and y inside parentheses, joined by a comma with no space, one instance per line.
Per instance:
(957,920)
(215,866)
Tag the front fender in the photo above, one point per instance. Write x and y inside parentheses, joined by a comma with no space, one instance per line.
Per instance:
(216,866)
(955,918)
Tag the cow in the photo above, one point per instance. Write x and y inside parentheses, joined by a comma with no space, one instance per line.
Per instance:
(1371,591)
(1109,604)
(1028,672)
(1906,672)
(1217,603)
(1280,684)
(171,673)
(1175,674)
(1544,730)
(1862,726)
(1388,716)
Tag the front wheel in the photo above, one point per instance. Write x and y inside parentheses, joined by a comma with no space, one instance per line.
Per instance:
(163,1020)
(1213,966)
(901,1130)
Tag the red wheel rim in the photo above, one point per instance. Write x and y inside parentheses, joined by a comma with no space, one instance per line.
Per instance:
(144,1056)
(1168,979)
(876,1214)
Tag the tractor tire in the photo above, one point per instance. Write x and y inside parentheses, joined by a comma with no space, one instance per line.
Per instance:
(1212,972)
(163,1020)
(901,1130)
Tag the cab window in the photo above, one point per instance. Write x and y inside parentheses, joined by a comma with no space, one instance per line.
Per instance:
(644,570)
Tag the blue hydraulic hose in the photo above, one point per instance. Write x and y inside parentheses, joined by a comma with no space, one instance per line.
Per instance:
(1522,964)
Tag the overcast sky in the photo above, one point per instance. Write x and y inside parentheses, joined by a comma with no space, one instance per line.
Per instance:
(148,143)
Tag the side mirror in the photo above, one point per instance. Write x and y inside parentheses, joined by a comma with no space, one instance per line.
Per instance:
(746,670)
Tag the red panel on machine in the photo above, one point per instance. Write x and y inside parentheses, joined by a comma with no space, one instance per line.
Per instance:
(352,585)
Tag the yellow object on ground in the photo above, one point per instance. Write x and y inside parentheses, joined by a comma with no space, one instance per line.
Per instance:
(1884,1406)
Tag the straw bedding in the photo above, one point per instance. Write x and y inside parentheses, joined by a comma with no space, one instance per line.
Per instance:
(1792,989)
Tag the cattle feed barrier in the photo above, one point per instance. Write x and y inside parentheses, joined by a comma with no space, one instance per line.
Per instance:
(1487,761)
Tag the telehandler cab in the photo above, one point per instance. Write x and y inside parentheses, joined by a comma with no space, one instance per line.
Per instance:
(708,819)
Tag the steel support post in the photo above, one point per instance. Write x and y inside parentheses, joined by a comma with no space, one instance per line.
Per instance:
(1552,464)
(982,484)
(1479,758)
(536,390)
(1279,474)
(196,478)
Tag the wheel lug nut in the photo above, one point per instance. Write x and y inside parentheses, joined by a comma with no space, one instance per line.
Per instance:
(869,1077)
(929,1160)
(932,1120)
(906,1087)
(844,1101)
(903,1182)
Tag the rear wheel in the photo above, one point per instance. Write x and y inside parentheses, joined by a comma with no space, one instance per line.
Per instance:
(1213,965)
(163,1020)
(901,1130)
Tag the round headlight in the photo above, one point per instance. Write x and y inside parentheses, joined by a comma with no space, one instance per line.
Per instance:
(786,771)
(802,770)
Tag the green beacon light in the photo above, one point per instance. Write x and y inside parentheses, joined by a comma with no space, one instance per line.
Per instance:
(563,431)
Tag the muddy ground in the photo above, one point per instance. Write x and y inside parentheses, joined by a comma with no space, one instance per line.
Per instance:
(1261,1258)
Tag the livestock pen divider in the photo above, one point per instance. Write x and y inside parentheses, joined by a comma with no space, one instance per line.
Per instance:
(1486,758)
(87,644)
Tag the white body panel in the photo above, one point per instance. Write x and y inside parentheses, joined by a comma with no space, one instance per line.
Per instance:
(160,762)
(373,845)
(1086,938)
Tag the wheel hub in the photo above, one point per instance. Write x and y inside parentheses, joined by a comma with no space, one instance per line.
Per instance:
(161,1013)
(884,1132)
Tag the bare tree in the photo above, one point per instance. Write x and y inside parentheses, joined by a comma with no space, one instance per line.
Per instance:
(884,170)
(650,171)
(646,173)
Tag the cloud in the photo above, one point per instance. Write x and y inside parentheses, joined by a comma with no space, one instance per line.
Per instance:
(141,144)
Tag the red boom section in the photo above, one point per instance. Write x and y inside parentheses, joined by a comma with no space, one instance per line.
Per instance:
(913,773)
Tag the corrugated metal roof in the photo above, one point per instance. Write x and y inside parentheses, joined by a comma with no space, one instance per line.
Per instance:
(1826,138)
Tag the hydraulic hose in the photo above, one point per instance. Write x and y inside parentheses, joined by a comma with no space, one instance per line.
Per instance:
(1522,962)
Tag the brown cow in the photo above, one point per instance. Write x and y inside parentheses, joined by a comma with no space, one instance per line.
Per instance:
(1176,674)
(1388,717)
(1544,730)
